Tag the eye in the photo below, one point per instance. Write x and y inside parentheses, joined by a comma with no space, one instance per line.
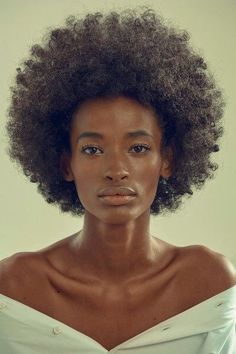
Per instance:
(90,148)
(147,147)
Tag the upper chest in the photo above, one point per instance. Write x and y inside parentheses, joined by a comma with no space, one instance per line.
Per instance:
(117,318)
(111,315)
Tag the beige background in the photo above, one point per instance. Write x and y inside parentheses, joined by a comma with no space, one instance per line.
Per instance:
(208,218)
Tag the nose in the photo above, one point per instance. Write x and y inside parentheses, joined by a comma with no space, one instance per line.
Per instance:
(116,177)
(116,168)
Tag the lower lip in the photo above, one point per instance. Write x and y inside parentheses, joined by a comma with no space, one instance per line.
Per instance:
(117,199)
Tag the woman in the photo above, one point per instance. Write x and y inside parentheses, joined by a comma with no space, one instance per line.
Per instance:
(115,118)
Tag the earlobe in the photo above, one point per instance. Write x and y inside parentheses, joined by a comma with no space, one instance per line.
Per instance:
(65,167)
(166,170)
(168,161)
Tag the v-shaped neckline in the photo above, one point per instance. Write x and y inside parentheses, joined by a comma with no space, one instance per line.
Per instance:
(77,332)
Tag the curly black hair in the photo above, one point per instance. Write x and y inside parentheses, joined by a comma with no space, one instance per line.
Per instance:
(131,53)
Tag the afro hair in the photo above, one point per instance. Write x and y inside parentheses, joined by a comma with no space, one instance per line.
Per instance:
(131,53)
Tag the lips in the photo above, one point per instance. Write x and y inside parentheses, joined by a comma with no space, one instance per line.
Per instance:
(116,191)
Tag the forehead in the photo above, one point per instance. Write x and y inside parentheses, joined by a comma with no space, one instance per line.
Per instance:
(114,114)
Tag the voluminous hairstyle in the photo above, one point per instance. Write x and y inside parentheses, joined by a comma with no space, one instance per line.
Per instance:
(130,53)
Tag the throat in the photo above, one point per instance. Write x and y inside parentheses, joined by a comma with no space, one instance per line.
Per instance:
(118,262)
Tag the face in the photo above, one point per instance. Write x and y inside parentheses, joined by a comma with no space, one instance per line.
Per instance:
(115,158)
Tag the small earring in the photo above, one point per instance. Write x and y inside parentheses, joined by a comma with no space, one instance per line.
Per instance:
(165,184)
(164,180)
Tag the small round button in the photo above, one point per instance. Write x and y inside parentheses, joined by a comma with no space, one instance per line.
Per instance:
(219,304)
(57,330)
(2,305)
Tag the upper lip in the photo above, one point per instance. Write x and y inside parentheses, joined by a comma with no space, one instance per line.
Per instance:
(116,191)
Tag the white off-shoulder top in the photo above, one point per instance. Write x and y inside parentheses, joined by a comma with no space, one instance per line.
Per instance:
(206,328)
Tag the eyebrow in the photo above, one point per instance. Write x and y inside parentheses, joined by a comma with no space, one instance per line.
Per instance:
(136,133)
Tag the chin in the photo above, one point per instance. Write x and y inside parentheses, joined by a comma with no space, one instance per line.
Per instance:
(120,215)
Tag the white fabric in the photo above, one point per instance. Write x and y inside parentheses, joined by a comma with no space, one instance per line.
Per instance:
(206,328)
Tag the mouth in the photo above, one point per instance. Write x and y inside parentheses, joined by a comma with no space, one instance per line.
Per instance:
(117,199)
(117,191)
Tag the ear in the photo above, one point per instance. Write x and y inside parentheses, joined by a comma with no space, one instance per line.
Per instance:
(167,162)
(65,167)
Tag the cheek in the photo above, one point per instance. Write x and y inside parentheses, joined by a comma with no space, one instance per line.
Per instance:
(151,169)
(149,180)
(84,179)
(147,177)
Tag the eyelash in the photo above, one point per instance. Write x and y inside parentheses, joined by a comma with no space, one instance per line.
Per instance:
(147,147)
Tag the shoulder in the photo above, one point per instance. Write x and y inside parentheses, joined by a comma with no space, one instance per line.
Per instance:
(218,265)
(19,272)
(210,269)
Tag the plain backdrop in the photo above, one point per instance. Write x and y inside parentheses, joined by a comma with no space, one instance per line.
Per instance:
(208,217)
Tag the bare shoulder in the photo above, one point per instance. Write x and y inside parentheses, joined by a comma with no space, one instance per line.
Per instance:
(210,268)
(217,265)
(19,272)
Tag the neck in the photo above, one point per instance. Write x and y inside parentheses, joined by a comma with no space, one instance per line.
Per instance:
(116,252)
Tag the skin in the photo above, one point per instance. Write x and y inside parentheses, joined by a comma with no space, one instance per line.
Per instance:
(113,280)
(115,242)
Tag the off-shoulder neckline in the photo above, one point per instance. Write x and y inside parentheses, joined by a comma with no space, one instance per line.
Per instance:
(160,324)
